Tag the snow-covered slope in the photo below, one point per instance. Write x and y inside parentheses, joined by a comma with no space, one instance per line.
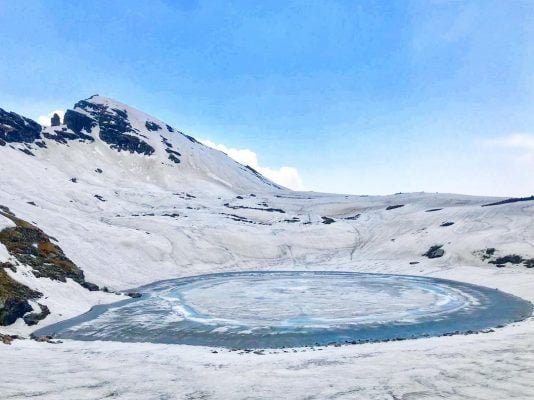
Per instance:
(102,131)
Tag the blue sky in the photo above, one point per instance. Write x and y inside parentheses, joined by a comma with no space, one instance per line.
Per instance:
(357,96)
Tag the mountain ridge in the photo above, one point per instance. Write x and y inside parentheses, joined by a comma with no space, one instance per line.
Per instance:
(122,128)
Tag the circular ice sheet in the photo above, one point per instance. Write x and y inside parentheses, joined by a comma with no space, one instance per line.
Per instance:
(291,309)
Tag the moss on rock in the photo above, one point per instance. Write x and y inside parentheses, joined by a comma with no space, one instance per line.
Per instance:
(30,246)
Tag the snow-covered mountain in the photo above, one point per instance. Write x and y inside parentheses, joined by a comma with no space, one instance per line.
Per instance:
(101,131)
(113,198)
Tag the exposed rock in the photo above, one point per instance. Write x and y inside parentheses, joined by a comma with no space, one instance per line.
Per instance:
(45,339)
(190,138)
(508,201)
(90,286)
(34,318)
(490,251)
(512,259)
(123,142)
(292,220)
(14,297)
(174,159)
(486,254)
(15,128)
(78,122)
(172,215)
(435,252)
(394,207)
(152,126)
(63,136)
(166,142)
(115,128)
(28,152)
(328,220)
(447,224)
(8,339)
(173,155)
(32,247)
(269,209)
(55,120)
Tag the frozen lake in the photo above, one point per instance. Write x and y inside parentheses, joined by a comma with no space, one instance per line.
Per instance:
(291,309)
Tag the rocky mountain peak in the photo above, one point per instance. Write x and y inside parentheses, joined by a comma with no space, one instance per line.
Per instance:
(99,120)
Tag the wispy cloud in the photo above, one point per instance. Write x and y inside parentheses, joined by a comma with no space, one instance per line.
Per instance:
(285,176)
(521,142)
(45,119)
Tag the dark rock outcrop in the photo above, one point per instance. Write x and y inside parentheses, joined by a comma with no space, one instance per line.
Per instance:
(269,209)
(152,126)
(115,128)
(435,252)
(32,247)
(63,136)
(55,120)
(78,122)
(173,155)
(15,128)
(509,201)
(14,297)
(34,318)
(512,259)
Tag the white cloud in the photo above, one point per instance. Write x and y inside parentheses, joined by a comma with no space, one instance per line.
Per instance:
(522,142)
(285,176)
(45,119)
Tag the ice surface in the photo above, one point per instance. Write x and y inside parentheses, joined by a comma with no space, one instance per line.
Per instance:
(279,309)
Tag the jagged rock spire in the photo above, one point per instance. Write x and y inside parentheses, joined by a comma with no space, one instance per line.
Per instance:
(55,120)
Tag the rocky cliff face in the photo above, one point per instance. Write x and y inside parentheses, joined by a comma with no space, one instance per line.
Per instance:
(17,129)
